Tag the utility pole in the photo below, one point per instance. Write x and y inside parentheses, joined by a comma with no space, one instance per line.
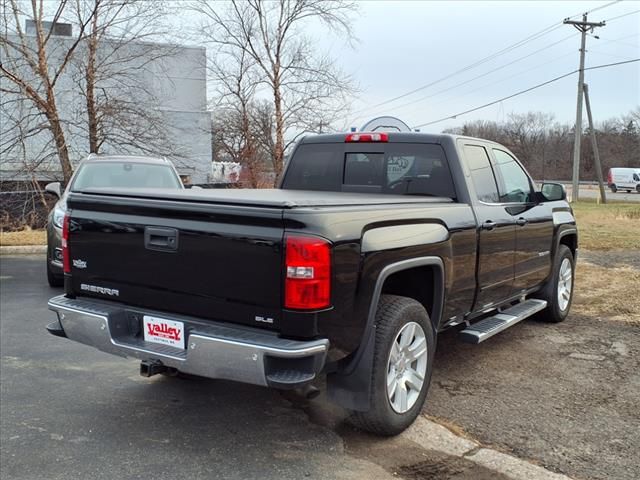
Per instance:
(583,27)
(594,145)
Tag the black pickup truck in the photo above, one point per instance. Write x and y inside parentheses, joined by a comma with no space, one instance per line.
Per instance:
(372,245)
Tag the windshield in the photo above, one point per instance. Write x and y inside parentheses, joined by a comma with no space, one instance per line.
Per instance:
(396,169)
(125,174)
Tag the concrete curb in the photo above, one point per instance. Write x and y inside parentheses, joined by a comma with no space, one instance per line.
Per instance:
(432,436)
(23,249)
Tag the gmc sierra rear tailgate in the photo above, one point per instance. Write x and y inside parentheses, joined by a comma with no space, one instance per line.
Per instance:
(177,252)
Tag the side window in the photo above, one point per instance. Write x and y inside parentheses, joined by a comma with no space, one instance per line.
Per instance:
(417,169)
(636,177)
(516,187)
(481,173)
(316,167)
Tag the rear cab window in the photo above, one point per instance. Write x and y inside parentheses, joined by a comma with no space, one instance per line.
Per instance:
(388,168)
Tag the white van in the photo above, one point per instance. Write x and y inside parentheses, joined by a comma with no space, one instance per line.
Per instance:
(624,179)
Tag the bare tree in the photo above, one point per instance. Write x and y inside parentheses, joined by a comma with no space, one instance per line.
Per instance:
(528,137)
(545,146)
(234,75)
(306,87)
(119,100)
(97,90)
(263,127)
(27,65)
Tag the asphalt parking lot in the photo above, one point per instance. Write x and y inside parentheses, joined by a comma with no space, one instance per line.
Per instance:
(562,396)
(69,411)
(592,192)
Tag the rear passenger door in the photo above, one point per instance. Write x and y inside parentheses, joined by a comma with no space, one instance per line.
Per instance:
(534,221)
(496,228)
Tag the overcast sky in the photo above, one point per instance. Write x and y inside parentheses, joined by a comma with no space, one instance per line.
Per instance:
(404,45)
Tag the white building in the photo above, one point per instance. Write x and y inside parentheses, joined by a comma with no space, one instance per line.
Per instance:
(153,98)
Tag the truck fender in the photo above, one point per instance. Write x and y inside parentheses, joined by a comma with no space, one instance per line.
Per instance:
(564,223)
(564,230)
(350,388)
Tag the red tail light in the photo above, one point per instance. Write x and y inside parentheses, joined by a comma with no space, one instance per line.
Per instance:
(366,137)
(609,177)
(66,259)
(308,273)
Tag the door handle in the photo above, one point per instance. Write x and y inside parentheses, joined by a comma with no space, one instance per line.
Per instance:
(522,221)
(488,225)
(163,239)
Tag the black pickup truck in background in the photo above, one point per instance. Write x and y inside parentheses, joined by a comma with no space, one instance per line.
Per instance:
(372,245)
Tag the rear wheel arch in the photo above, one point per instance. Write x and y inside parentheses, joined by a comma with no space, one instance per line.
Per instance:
(423,283)
(350,387)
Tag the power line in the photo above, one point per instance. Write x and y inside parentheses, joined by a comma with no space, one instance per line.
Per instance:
(448,99)
(605,42)
(518,44)
(602,6)
(421,99)
(617,40)
(497,101)
(521,92)
(524,41)
(612,64)
(595,9)
(622,16)
(608,54)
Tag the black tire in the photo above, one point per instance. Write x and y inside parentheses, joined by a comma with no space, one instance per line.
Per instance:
(393,313)
(613,188)
(554,313)
(638,188)
(53,279)
(628,191)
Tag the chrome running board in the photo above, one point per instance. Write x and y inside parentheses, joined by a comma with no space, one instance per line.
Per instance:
(488,327)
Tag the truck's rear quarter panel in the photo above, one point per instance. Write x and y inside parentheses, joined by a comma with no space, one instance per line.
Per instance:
(356,272)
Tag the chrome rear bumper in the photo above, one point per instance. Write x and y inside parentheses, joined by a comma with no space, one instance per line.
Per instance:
(213,350)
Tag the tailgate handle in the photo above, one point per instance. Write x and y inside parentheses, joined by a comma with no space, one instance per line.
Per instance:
(159,238)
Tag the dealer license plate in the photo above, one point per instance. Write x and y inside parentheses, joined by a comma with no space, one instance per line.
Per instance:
(161,330)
